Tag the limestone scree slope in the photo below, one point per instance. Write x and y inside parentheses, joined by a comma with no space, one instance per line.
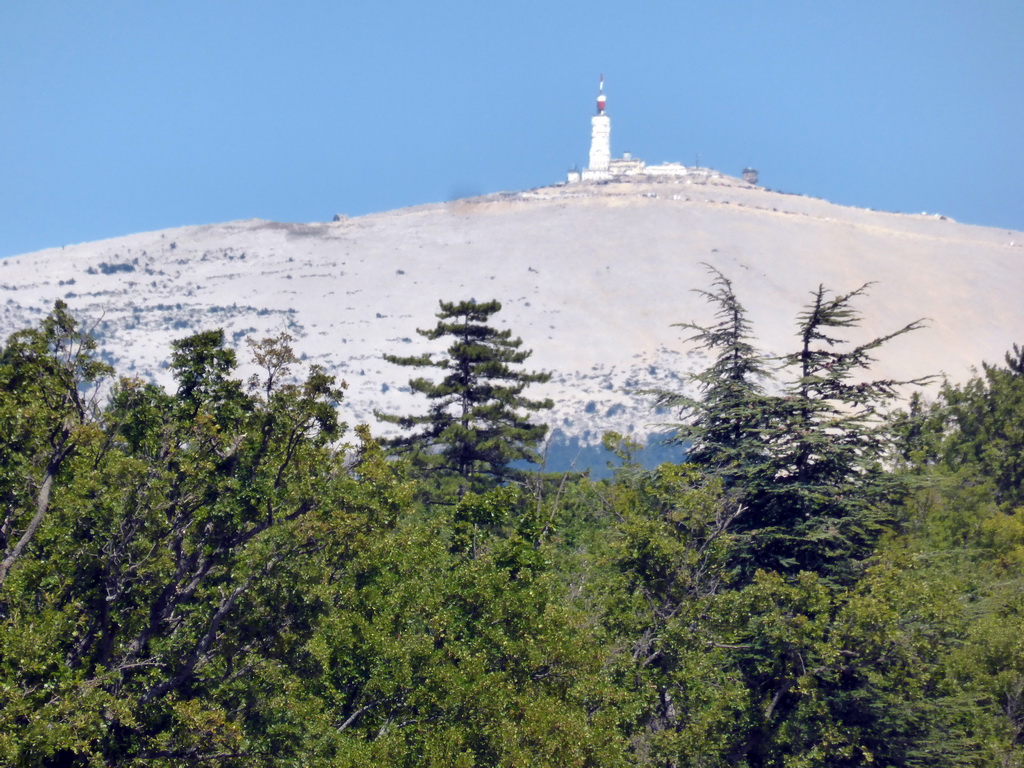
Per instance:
(591,276)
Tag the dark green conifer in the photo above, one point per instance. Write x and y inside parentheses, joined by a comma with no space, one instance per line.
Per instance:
(478,423)
(724,422)
(804,463)
(817,502)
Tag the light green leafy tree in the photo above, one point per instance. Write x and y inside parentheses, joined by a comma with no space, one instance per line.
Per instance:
(49,381)
(167,581)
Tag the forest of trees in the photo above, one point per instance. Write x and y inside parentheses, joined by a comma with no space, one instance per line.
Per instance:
(220,573)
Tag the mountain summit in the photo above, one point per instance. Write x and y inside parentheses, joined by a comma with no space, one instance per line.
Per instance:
(591,275)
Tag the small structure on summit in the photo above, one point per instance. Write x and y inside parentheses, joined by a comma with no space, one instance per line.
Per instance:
(604,167)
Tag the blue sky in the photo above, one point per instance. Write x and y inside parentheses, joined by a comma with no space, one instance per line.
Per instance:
(124,116)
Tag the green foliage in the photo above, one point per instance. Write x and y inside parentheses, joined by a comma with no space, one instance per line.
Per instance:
(724,423)
(848,677)
(203,368)
(668,560)
(977,427)
(805,465)
(179,525)
(438,658)
(964,524)
(476,426)
(207,576)
(48,380)
(820,501)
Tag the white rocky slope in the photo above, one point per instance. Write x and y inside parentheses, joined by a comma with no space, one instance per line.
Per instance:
(591,276)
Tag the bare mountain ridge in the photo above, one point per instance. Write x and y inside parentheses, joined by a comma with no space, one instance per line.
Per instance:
(591,276)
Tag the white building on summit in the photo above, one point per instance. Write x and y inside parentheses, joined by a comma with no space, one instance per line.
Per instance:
(604,167)
(600,136)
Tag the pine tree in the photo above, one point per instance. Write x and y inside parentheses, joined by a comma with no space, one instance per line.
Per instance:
(478,422)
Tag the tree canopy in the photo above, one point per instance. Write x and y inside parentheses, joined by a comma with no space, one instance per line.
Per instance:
(216,573)
(803,460)
(478,423)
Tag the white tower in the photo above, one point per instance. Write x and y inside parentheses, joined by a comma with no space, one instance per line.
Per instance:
(600,135)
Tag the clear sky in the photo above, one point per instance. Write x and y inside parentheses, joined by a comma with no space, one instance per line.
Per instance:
(118,116)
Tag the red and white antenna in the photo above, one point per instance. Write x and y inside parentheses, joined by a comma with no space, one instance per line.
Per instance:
(600,97)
